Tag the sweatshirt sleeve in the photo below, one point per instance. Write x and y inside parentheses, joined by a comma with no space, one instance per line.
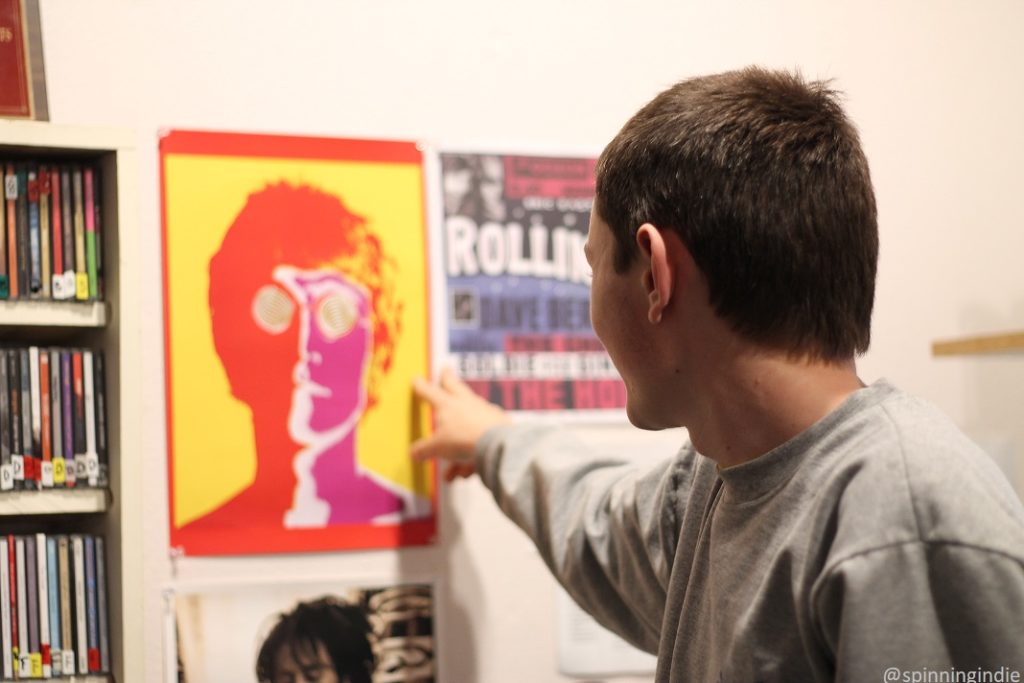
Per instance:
(923,606)
(606,528)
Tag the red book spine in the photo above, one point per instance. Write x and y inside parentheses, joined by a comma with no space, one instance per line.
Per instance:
(11,183)
(79,416)
(44,407)
(57,227)
(15,83)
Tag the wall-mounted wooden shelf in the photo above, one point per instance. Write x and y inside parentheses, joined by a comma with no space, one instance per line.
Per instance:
(1006,342)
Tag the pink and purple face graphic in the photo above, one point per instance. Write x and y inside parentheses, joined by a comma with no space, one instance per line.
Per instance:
(305,322)
(334,347)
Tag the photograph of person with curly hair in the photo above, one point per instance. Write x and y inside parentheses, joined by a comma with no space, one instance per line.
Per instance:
(296,313)
(304,632)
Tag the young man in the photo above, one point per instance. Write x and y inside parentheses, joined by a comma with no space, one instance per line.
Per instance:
(815,529)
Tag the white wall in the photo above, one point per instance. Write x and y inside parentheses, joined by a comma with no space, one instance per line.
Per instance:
(936,87)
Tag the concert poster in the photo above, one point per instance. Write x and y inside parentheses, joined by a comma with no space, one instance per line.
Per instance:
(518,283)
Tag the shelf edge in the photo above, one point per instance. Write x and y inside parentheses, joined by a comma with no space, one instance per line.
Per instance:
(53,502)
(52,314)
(1007,342)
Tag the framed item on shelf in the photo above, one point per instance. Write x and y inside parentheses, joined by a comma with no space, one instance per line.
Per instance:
(367,631)
(518,283)
(296,316)
(22,72)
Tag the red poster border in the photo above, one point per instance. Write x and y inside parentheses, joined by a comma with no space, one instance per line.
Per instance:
(289,147)
(252,541)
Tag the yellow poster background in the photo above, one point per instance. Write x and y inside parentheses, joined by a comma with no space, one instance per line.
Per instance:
(214,453)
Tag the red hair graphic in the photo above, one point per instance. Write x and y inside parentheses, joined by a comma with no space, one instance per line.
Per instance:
(308,229)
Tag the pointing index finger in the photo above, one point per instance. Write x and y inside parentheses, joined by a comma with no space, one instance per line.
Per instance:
(428,391)
(452,383)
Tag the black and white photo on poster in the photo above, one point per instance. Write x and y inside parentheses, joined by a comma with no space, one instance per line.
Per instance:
(326,631)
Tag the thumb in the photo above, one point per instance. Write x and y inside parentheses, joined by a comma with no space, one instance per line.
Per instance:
(435,448)
(424,449)
(461,470)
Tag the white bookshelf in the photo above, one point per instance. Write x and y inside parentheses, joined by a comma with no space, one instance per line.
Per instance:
(52,314)
(54,502)
(114,326)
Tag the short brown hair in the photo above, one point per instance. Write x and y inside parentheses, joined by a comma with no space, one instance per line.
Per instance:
(763,177)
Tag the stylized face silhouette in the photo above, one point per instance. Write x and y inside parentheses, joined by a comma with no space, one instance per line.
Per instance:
(257,337)
(304,319)
(334,344)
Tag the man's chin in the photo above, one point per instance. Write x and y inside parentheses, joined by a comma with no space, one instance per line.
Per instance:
(644,419)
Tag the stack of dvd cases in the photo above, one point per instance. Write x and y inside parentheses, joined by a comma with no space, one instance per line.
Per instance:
(53,431)
(58,227)
(53,606)
(51,231)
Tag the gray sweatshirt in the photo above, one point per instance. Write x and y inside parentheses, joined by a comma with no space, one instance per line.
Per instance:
(878,545)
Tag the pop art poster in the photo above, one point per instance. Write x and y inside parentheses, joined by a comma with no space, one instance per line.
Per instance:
(519,283)
(268,633)
(296,316)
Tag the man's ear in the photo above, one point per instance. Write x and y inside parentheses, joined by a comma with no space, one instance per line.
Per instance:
(657,273)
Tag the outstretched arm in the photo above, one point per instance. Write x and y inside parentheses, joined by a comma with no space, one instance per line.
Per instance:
(606,527)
